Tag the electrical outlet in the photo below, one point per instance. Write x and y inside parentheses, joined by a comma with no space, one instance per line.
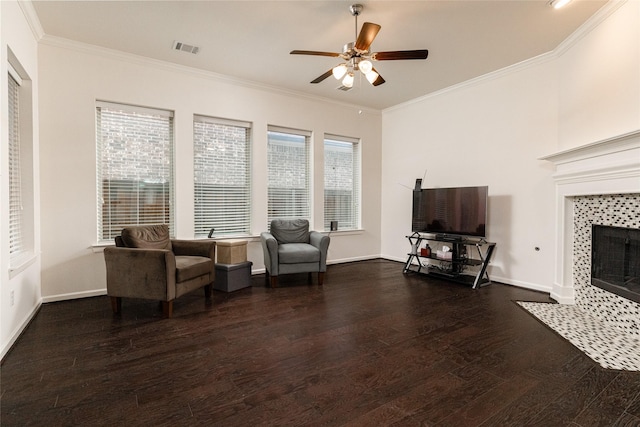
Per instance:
(12,298)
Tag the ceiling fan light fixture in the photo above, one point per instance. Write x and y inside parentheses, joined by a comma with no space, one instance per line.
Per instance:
(357,56)
(557,4)
(365,66)
(348,80)
(371,76)
(339,71)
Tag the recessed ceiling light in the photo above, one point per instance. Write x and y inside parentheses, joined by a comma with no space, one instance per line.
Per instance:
(557,4)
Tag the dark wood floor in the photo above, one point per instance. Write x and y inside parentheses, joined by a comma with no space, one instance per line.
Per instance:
(372,347)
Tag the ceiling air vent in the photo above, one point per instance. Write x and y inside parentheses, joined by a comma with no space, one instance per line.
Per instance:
(344,88)
(184,47)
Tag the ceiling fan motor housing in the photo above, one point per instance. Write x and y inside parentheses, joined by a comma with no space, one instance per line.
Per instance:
(349,51)
(356,9)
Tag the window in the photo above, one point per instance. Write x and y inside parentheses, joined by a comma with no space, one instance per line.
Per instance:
(134,167)
(341,182)
(222,166)
(288,174)
(21,171)
(16,219)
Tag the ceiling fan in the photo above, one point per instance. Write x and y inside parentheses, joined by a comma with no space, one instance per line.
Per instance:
(357,56)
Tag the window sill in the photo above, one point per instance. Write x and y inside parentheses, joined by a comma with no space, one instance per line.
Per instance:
(343,232)
(21,263)
(247,237)
(99,246)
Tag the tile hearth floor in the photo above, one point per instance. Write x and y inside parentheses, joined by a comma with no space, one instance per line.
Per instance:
(611,347)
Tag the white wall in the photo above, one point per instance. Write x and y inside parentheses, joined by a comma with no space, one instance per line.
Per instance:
(599,79)
(488,133)
(19,288)
(74,76)
(491,131)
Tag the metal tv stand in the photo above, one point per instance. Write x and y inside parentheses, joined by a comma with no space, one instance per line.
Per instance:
(458,265)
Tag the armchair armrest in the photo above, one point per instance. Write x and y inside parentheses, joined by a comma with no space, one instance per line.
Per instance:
(140,273)
(270,251)
(205,248)
(320,241)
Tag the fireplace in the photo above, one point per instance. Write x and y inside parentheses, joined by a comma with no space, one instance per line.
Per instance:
(601,322)
(598,183)
(615,260)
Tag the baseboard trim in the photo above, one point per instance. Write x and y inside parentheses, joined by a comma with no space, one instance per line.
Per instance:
(353,259)
(19,330)
(520,284)
(332,262)
(74,295)
(101,292)
(563,299)
(505,280)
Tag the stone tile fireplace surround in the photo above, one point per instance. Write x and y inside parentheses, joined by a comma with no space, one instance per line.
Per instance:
(614,209)
(595,184)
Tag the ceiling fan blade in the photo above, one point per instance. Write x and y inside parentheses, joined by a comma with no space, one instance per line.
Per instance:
(313,52)
(379,80)
(368,32)
(322,77)
(393,55)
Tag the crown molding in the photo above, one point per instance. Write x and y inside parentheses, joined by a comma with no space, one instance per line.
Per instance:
(589,25)
(113,54)
(32,19)
(527,63)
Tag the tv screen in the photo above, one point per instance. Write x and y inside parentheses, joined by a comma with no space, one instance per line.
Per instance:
(459,211)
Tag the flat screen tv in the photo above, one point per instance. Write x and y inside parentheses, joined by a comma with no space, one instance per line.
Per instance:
(455,212)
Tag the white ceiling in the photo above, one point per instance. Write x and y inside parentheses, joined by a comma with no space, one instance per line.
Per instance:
(251,40)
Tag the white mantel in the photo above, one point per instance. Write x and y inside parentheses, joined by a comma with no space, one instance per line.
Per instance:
(609,166)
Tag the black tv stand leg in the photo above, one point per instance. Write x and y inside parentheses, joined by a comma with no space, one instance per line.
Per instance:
(483,269)
(408,264)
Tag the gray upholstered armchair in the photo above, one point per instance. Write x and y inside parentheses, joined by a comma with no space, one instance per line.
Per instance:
(146,263)
(290,247)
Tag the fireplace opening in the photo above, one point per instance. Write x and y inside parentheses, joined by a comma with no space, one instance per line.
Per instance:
(615,260)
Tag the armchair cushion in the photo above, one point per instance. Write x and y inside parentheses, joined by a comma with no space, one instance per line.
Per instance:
(290,231)
(190,267)
(147,237)
(296,253)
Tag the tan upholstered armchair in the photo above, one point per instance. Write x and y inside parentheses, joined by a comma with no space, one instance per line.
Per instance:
(289,247)
(146,263)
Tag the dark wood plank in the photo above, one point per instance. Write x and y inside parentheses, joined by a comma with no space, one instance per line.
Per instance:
(618,397)
(577,397)
(372,346)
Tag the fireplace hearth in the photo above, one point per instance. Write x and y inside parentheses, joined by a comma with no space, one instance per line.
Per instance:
(615,260)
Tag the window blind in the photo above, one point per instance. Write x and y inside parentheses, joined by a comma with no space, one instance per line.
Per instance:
(16,218)
(134,167)
(222,175)
(341,182)
(288,173)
